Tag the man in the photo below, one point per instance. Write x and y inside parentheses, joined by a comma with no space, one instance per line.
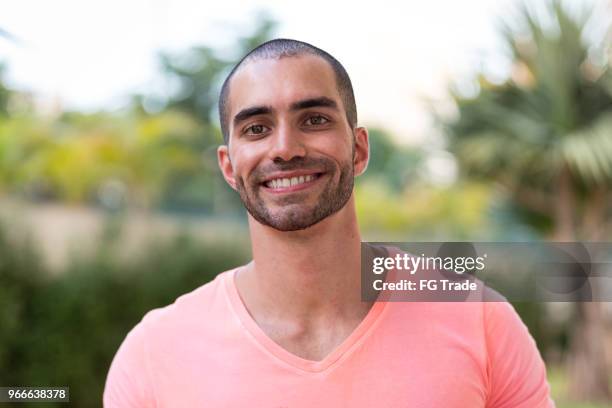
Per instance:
(289,329)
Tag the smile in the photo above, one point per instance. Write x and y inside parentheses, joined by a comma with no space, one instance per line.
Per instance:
(292,183)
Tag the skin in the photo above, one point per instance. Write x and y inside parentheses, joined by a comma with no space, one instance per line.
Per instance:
(303,285)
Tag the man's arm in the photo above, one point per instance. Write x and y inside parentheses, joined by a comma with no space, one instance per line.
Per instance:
(128,380)
(516,372)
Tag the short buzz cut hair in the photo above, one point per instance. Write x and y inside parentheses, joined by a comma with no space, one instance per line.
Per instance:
(281,48)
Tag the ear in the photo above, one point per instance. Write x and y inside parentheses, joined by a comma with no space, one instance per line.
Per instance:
(225,164)
(362,150)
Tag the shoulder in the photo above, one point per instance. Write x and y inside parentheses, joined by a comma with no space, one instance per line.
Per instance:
(198,306)
(507,338)
(131,374)
(516,371)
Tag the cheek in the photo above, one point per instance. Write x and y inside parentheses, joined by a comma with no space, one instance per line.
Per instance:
(342,152)
(245,159)
(334,143)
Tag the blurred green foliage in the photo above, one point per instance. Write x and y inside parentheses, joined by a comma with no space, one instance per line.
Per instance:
(63,330)
(5,94)
(543,134)
(557,377)
(397,167)
(74,157)
(423,212)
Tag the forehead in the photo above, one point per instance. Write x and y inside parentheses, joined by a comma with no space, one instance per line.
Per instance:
(279,82)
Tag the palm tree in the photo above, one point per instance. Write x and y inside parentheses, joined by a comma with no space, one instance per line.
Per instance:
(545,135)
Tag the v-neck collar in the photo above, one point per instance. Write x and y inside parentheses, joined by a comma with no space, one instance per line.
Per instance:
(273,349)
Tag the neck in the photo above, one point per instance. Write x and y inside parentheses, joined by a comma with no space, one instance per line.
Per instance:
(308,274)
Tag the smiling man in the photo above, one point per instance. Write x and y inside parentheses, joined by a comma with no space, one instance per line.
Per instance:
(290,329)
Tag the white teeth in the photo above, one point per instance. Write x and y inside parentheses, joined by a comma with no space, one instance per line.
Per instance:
(290,182)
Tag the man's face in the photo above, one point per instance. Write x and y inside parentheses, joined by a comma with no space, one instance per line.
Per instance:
(292,153)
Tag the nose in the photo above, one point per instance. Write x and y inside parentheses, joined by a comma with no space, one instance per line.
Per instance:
(286,144)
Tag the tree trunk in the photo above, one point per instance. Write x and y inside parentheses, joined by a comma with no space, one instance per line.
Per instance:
(587,366)
(564,207)
(587,369)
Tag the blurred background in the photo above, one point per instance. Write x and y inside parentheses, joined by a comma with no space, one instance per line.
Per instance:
(489,121)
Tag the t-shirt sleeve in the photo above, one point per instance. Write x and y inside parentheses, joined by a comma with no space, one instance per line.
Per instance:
(128,379)
(516,372)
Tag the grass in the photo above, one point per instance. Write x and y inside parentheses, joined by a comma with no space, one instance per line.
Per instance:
(558,384)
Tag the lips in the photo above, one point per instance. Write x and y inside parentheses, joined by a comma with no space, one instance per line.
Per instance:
(288,182)
(288,176)
(285,182)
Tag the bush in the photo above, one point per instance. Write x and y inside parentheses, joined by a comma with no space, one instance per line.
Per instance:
(65,330)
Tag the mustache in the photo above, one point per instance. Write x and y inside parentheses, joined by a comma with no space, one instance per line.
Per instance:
(322,165)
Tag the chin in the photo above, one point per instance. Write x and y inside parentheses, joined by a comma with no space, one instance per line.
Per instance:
(293,221)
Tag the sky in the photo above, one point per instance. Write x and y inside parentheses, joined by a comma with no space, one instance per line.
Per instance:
(93,54)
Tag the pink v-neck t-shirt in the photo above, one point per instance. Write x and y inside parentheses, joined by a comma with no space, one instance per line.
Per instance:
(205,350)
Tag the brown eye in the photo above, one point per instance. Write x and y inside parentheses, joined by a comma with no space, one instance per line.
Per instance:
(255,129)
(316,120)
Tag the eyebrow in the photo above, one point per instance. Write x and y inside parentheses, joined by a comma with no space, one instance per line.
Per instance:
(322,101)
(249,112)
